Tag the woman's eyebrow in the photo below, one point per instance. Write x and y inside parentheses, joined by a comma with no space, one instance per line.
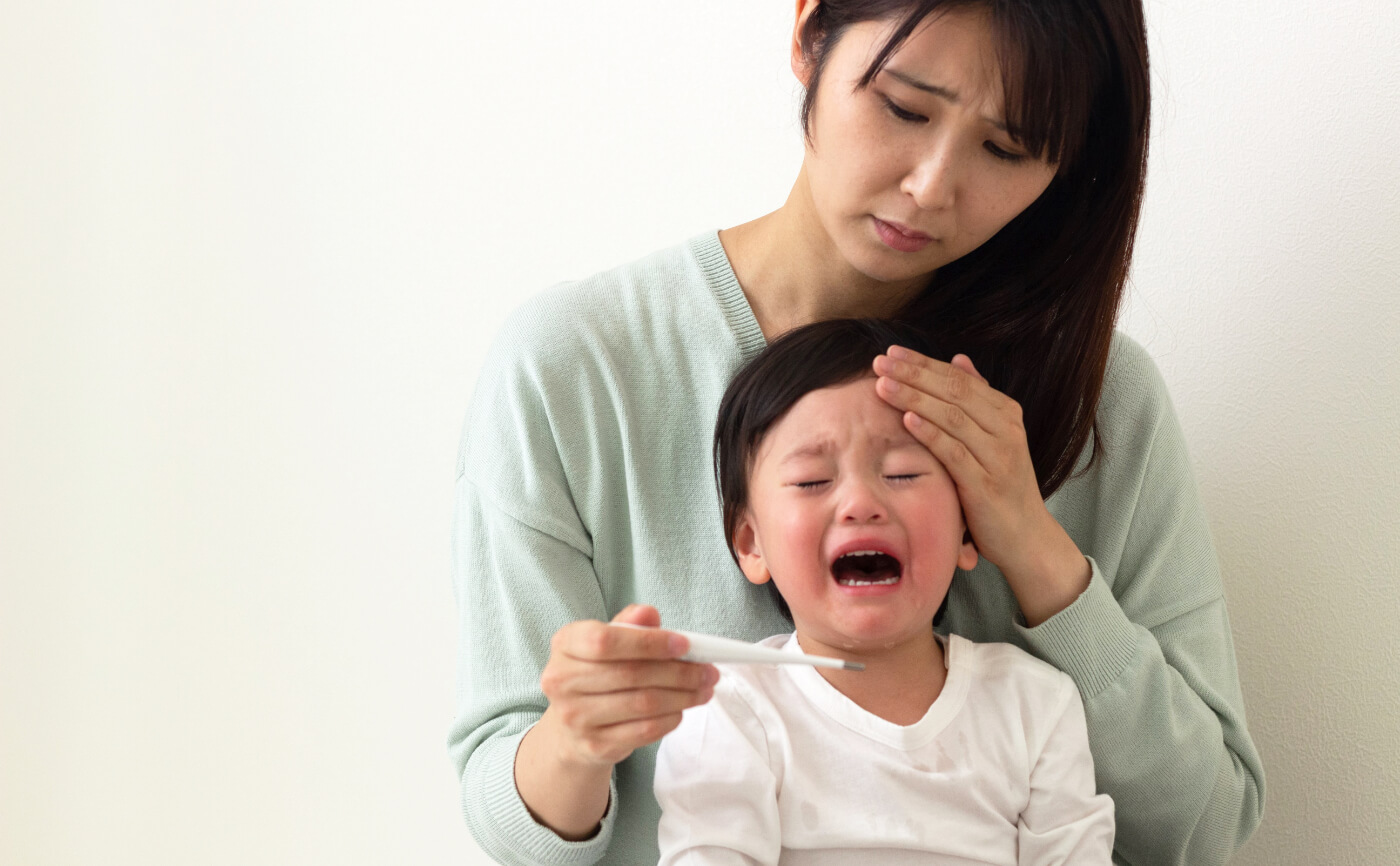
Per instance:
(944,92)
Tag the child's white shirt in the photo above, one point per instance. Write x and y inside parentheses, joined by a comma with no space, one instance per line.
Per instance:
(780,767)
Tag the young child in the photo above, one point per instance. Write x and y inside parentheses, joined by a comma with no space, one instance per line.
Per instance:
(941,750)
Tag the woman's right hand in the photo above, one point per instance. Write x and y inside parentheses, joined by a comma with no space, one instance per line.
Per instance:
(611,691)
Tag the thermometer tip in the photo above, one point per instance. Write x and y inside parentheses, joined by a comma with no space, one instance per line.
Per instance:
(852,666)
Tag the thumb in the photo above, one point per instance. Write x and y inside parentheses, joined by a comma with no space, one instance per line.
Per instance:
(639,614)
(964,363)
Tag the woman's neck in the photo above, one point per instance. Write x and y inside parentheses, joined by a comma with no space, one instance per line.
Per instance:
(898,684)
(793,274)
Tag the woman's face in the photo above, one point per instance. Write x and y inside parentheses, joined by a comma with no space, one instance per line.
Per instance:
(917,169)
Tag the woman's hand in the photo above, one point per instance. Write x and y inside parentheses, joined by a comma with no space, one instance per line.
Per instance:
(976,432)
(611,690)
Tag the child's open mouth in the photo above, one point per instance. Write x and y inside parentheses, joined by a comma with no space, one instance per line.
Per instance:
(866,568)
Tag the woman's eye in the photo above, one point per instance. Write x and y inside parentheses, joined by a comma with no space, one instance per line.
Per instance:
(907,116)
(1002,153)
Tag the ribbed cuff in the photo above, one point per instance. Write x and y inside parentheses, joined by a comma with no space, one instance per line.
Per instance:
(1092,640)
(502,825)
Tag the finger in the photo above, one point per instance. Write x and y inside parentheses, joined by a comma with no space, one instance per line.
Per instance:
(591,640)
(597,711)
(951,418)
(639,614)
(596,678)
(953,384)
(615,742)
(962,466)
(963,362)
(990,411)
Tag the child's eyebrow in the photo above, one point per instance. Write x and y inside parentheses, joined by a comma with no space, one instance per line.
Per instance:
(824,447)
(816,448)
(892,443)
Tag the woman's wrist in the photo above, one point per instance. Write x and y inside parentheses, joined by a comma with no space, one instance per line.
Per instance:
(569,797)
(1052,575)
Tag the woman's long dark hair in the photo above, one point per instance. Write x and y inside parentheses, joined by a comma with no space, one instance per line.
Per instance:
(1035,306)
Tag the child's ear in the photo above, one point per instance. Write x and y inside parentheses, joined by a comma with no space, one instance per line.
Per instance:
(749,553)
(967,553)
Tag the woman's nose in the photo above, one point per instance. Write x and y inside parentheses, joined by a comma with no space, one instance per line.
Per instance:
(932,181)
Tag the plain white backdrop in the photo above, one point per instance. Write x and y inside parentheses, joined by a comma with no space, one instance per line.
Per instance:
(250,257)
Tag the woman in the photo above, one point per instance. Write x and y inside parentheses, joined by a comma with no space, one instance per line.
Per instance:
(976,169)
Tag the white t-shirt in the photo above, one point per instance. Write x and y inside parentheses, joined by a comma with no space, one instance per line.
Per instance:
(780,767)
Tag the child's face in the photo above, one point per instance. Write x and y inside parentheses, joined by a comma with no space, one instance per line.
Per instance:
(837,477)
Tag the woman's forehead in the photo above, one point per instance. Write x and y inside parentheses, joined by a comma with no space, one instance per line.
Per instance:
(1039,87)
(955,50)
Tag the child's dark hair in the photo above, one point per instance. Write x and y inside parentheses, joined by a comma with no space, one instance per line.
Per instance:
(801,361)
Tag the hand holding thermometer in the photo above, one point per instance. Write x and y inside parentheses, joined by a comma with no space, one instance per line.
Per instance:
(708,649)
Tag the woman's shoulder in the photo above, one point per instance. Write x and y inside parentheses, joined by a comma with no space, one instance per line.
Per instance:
(612,306)
(1134,392)
(1131,369)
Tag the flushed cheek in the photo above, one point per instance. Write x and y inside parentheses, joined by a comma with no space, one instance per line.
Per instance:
(793,545)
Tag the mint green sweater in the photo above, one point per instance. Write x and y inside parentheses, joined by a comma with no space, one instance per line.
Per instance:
(584,483)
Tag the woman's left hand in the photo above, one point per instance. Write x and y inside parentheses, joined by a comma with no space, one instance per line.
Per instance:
(977,433)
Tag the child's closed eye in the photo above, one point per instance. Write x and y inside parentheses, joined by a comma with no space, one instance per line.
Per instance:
(905,477)
(811,485)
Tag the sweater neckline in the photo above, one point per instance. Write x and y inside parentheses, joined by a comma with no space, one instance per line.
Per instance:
(719,276)
(857,719)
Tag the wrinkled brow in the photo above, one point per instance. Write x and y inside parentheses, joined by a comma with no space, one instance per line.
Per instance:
(942,92)
(825,447)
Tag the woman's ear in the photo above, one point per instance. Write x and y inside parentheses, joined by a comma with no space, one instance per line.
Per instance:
(801,63)
(967,553)
(749,552)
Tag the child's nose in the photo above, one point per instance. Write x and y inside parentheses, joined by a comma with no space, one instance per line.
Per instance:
(861,504)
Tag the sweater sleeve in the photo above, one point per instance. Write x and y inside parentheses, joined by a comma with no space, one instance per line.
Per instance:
(716,787)
(1149,645)
(522,568)
(1065,823)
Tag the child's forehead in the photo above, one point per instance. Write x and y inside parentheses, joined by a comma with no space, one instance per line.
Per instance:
(829,419)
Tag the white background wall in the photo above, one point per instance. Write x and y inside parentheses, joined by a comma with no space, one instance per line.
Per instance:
(251,253)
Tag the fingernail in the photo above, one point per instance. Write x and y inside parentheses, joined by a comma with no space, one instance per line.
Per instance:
(677,645)
(915,420)
(898,352)
(892,386)
(711,676)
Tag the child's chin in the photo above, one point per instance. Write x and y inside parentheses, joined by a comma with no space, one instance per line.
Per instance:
(864,637)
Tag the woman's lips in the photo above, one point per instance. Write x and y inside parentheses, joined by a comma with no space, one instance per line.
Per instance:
(900,238)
